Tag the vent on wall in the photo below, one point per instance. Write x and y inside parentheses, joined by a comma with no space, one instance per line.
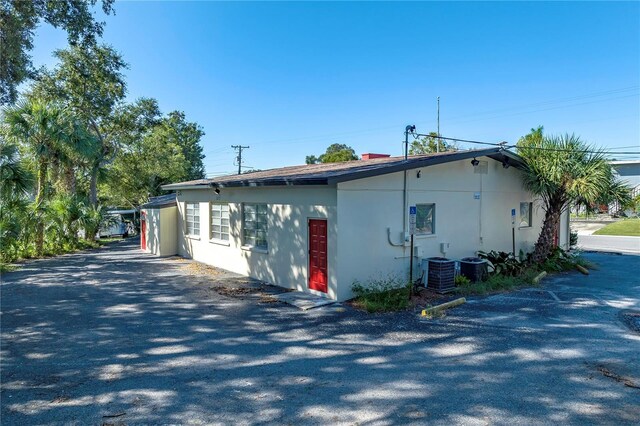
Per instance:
(482,168)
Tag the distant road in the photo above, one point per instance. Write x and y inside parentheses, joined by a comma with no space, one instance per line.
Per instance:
(609,243)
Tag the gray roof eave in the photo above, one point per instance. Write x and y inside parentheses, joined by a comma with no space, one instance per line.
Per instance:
(496,153)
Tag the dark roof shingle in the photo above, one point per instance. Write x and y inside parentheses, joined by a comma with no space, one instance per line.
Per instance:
(331,173)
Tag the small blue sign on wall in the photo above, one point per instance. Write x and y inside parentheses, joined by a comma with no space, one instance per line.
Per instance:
(413,213)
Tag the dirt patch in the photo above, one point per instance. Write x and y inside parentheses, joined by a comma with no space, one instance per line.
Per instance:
(195,268)
(226,283)
(237,292)
(425,297)
(247,292)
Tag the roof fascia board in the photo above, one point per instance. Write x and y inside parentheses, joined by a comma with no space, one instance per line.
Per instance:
(271,182)
(158,206)
(414,164)
(173,186)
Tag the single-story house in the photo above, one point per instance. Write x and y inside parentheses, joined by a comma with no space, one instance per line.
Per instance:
(319,228)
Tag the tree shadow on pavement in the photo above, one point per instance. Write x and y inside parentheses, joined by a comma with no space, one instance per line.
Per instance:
(116,331)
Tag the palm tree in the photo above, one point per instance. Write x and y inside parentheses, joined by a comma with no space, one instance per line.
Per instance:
(41,128)
(15,185)
(561,170)
(16,180)
(77,150)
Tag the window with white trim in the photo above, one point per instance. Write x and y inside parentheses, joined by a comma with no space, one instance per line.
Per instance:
(526,212)
(193,219)
(220,221)
(254,225)
(425,219)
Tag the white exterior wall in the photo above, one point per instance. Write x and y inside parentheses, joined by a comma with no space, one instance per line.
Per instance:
(564,240)
(168,231)
(152,233)
(367,207)
(285,263)
(161,231)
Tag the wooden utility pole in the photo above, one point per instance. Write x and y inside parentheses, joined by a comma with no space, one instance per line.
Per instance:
(239,148)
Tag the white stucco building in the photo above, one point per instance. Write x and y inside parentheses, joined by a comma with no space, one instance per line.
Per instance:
(319,228)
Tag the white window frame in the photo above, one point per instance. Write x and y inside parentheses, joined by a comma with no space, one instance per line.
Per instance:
(420,231)
(529,222)
(195,219)
(255,218)
(218,221)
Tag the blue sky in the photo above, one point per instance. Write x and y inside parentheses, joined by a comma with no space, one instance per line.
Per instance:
(289,79)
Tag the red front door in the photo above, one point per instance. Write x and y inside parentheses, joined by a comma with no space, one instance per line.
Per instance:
(143,231)
(318,255)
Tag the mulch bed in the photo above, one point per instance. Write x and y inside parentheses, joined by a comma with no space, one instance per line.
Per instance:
(426,297)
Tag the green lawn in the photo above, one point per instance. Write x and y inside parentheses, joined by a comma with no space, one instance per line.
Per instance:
(627,227)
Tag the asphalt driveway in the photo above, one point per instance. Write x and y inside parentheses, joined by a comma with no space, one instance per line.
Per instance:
(116,336)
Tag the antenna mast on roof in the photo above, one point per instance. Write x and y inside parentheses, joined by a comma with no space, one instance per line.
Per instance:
(239,148)
(438,141)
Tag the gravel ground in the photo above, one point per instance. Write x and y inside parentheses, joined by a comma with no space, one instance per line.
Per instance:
(115,336)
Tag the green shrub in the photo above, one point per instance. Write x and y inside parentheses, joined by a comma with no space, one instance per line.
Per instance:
(573,238)
(383,295)
(462,280)
(497,282)
(509,272)
(560,260)
(503,263)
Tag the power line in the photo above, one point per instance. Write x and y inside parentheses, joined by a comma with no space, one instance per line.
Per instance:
(482,115)
(625,147)
(556,101)
(542,110)
(505,145)
(587,151)
(416,135)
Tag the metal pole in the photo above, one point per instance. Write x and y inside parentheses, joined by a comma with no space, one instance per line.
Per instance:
(406,142)
(411,270)
(513,240)
(438,141)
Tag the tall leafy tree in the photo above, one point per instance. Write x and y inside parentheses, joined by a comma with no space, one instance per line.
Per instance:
(89,82)
(155,150)
(561,170)
(311,159)
(187,136)
(335,153)
(18,22)
(430,144)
